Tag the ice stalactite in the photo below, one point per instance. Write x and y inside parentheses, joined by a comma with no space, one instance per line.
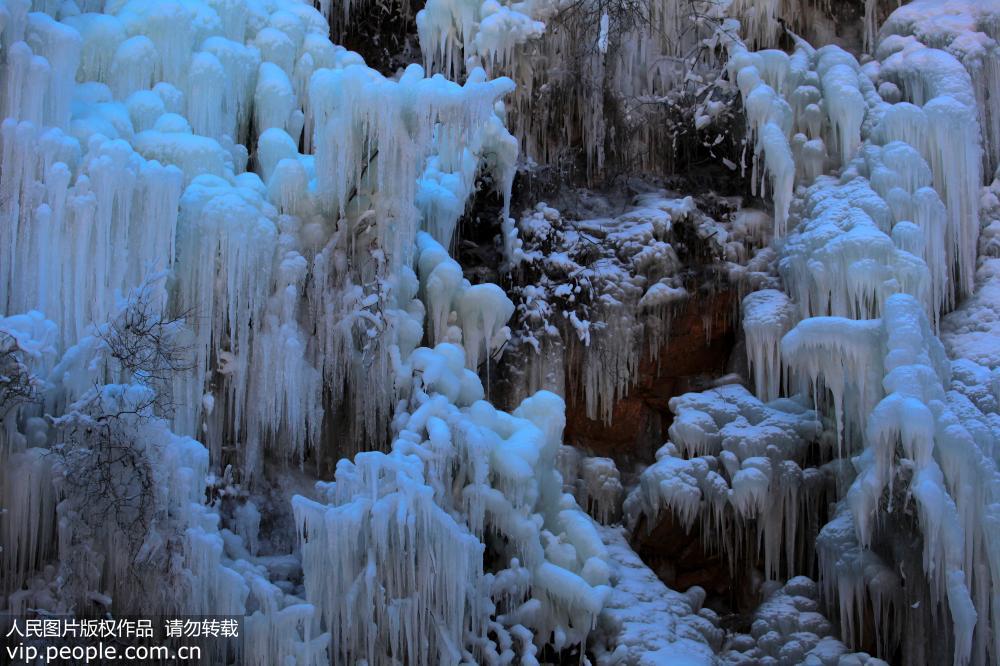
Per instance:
(465,473)
(872,259)
(121,490)
(579,62)
(484,310)
(358,116)
(897,174)
(758,20)
(575,57)
(732,461)
(93,219)
(602,292)
(940,85)
(858,579)
(966,30)
(280,64)
(163,139)
(28,494)
(802,111)
(413,574)
(29,501)
(789,629)
(291,409)
(231,233)
(260,260)
(949,478)
(767,315)
(769,121)
(887,248)
(851,375)
(125,152)
(481,311)
(594,481)
(453,32)
(830,80)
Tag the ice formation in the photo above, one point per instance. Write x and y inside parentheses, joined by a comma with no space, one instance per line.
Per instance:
(594,481)
(874,257)
(602,291)
(226,249)
(644,622)
(789,629)
(733,461)
(864,267)
(163,139)
(459,473)
(767,315)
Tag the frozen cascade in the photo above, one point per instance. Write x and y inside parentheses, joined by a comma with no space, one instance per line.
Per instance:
(733,461)
(603,292)
(258,261)
(950,479)
(874,257)
(789,629)
(93,189)
(767,315)
(155,146)
(459,472)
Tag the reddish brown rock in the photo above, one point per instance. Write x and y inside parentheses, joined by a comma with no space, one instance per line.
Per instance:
(702,335)
(680,559)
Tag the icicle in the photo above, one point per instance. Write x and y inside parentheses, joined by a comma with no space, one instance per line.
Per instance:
(484,310)
(767,316)
(740,463)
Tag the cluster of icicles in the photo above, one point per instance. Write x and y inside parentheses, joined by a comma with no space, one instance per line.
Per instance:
(871,257)
(156,145)
(569,57)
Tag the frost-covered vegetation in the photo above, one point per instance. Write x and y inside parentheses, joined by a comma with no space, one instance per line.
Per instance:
(287,336)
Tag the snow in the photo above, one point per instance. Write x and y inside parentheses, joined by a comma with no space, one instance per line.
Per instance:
(644,622)
(731,459)
(767,315)
(608,288)
(788,629)
(973,330)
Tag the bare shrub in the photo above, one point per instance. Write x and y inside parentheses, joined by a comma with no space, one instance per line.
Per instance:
(149,347)
(17,384)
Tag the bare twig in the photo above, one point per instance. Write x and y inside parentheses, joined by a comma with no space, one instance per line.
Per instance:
(17,385)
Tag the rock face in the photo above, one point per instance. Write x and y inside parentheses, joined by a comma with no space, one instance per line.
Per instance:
(701,340)
(680,560)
